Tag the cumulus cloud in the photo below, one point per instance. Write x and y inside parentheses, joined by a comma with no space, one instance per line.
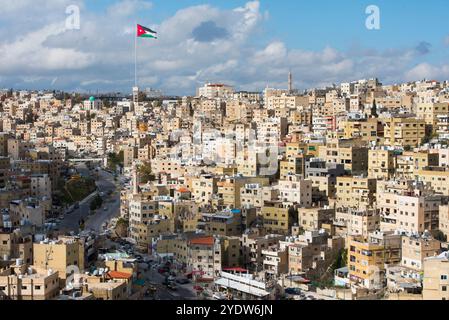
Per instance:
(427,71)
(196,44)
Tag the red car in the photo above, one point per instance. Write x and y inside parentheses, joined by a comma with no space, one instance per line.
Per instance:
(162,270)
(198,288)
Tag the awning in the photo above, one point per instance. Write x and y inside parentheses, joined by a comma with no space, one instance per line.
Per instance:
(227,283)
(237,269)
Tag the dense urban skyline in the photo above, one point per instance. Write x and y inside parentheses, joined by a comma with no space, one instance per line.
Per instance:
(241,151)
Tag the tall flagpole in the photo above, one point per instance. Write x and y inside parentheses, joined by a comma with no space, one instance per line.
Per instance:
(135,56)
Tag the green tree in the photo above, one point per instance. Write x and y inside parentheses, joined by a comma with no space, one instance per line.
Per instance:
(146,173)
(439,235)
(374,109)
(115,160)
(96,203)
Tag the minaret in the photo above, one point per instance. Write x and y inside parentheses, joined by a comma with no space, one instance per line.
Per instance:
(135,97)
(290,82)
(136,179)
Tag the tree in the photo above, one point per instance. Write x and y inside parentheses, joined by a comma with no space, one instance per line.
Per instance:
(96,203)
(146,173)
(115,160)
(374,109)
(439,235)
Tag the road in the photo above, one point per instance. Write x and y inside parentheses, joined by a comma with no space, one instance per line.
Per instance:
(184,292)
(105,183)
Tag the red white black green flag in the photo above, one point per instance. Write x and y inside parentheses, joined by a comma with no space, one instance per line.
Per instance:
(144,32)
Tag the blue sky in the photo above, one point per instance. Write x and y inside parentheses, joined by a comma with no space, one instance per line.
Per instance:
(249,44)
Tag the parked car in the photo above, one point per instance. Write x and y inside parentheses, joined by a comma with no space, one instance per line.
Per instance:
(162,270)
(172,286)
(198,288)
(294,291)
(182,280)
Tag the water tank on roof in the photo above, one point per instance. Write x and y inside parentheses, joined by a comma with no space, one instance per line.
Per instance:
(5,257)
(19,262)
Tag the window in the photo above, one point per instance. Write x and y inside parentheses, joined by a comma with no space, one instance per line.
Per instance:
(443,277)
(443,288)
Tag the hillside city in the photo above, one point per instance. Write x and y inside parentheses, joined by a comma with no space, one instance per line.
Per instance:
(336,193)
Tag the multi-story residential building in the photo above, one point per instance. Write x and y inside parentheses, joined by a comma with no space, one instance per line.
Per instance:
(252,246)
(324,178)
(63,256)
(313,218)
(412,210)
(367,258)
(203,188)
(417,248)
(404,131)
(436,177)
(367,129)
(357,192)
(277,218)
(429,112)
(357,222)
(24,282)
(443,219)
(346,152)
(381,164)
(295,190)
(215,90)
(435,281)
(225,223)
(204,257)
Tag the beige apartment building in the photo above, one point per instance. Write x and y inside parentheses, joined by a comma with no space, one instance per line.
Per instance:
(435,282)
(252,246)
(381,164)
(411,211)
(275,261)
(367,258)
(355,192)
(60,256)
(204,188)
(311,219)
(204,257)
(444,219)
(417,248)
(23,282)
(346,152)
(276,218)
(15,245)
(300,258)
(436,177)
(405,131)
(295,190)
(367,130)
(356,222)
(429,112)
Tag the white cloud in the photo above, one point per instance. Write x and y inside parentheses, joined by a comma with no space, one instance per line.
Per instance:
(128,7)
(427,71)
(101,54)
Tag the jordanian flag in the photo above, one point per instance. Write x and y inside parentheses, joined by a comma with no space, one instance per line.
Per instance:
(144,32)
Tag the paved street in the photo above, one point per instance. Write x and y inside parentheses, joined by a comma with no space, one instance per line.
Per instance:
(105,183)
(184,292)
